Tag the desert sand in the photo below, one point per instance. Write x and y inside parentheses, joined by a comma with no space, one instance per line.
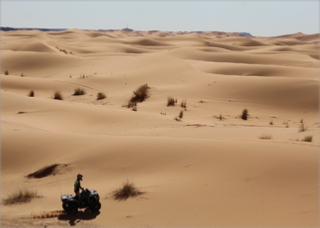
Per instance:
(208,168)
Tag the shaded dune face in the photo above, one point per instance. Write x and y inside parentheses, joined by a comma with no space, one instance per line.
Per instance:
(186,145)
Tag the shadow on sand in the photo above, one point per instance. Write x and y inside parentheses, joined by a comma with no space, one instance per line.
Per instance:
(75,218)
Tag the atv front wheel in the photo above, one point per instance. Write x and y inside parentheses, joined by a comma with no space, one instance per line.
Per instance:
(95,206)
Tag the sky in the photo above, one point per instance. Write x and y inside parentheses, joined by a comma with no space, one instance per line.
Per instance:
(258,17)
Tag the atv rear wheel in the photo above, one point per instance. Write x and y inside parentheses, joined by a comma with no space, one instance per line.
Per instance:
(70,207)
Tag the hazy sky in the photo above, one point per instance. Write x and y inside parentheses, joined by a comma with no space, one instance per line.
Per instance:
(260,18)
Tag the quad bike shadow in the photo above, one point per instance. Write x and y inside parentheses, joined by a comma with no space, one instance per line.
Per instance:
(77,217)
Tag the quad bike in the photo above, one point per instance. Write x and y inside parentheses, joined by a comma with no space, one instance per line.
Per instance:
(88,199)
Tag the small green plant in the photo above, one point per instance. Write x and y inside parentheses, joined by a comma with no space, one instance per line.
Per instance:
(57,95)
(170,101)
(6,72)
(101,96)
(79,92)
(245,114)
(31,93)
(125,191)
(265,136)
(307,138)
(20,196)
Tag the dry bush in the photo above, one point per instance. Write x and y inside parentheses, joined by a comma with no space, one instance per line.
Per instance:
(45,171)
(141,94)
(101,96)
(20,196)
(302,127)
(245,114)
(57,95)
(307,138)
(287,124)
(31,93)
(79,92)
(220,117)
(135,108)
(125,191)
(179,118)
(170,101)
(265,136)
(6,72)
(183,104)
(130,104)
(181,114)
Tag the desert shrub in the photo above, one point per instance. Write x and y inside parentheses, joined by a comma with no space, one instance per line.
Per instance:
(101,96)
(57,95)
(141,94)
(181,114)
(170,101)
(220,117)
(125,191)
(6,72)
(135,108)
(271,122)
(45,171)
(245,114)
(302,127)
(130,104)
(31,93)
(20,196)
(183,104)
(265,136)
(307,138)
(287,124)
(79,92)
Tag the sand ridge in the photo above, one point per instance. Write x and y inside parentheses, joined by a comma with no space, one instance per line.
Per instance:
(208,168)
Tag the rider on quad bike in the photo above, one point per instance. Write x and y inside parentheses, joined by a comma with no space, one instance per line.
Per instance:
(86,199)
(77,186)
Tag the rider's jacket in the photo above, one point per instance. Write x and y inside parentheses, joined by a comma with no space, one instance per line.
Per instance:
(77,185)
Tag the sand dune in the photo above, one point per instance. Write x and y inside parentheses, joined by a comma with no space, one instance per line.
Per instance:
(208,168)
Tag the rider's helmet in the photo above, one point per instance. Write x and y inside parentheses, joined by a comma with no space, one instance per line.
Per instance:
(79,176)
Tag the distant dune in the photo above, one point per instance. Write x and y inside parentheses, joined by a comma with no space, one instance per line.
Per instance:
(200,160)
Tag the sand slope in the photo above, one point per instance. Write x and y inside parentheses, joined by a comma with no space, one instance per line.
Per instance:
(210,168)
